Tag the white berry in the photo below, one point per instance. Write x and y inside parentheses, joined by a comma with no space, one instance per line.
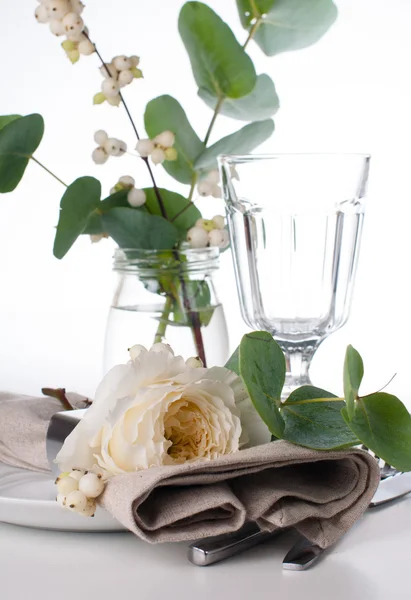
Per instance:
(42,14)
(197,237)
(73,23)
(218,238)
(125,77)
(57,27)
(77,6)
(77,474)
(91,485)
(58,8)
(100,137)
(114,100)
(136,350)
(127,181)
(114,147)
(136,197)
(194,362)
(109,87)
(145,147)
(76,501)
(86,47)
(158,156)
(160,347)
(90,509)
(205,188)
(122,62)
(99,156)
(66,485)
(61,499)
(216,192)
(165,139)
(213,176)
(135,60)
(219,221)
(123,148)
(109,70)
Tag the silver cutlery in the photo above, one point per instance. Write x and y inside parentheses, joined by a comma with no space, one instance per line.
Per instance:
(304,553)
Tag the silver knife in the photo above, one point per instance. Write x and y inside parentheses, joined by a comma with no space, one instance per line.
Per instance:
(304,553)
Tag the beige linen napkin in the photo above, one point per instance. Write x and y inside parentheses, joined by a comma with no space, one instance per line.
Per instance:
(322,494)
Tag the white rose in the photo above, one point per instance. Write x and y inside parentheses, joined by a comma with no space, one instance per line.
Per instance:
(155,410)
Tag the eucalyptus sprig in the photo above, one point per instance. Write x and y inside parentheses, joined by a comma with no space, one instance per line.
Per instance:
(316,418)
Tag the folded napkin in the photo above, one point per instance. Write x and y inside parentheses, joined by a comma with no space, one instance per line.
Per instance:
(321,494)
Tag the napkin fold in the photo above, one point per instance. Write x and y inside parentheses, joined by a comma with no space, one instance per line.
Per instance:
(321,494)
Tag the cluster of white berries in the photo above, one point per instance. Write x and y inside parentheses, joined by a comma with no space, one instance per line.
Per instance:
(208,232)
(78,490)
(117,74)
(135,196)
(159,148)
(210,184)
(107,146)
(64,18)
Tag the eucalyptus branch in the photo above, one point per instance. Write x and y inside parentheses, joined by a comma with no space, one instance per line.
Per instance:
(48,171)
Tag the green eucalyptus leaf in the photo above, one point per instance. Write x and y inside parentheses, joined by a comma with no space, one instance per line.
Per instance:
(233,363)
(219,62)
(165,113)
(313,419)
(241,142)
(6,119)
(18,140)
(262,368)
(383,424)
(134,228)
(79,201)
(116,200)
(174,204)
(283,25)
(260,104)
(353,374)
(94,225)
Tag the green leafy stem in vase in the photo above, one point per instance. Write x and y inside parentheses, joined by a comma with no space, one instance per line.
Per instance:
(155,218)
(315,418)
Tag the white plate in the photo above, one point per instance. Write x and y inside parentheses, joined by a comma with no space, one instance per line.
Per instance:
(29,499)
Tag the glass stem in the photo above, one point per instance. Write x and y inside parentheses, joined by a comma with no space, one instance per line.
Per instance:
(297,363)
(162,326)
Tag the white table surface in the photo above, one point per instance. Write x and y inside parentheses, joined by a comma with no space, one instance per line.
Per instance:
(372,562)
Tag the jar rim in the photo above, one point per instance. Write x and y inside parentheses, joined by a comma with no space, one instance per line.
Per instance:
(149,261)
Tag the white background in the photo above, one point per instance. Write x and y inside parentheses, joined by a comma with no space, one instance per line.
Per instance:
(350,92)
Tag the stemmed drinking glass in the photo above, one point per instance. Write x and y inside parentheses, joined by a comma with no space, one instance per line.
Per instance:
(295,224)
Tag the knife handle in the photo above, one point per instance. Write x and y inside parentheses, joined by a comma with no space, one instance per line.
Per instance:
(212,550)
(302,555)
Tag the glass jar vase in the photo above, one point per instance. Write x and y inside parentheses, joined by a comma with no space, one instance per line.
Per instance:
(166,296)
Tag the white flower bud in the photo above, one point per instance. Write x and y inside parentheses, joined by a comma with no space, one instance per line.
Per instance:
(197,238)
(66,485)
(58,8)
(42,14)
(125,77)
(204,188)
(158,156)
(216,192)
(160,347)
(61,499)
(114,101)
(76,501)
(136,197)
(122,62)
(194,362)
(219,238)
(109,87)
(127,181)
(136,350)
(145,147)
(90,509)
(57,27)
(165,139)
(99,156)
(114,147)
(73,23)
(100,137)
(213,176)
(91,485)
(219,221)
(86,48)
(110,68)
